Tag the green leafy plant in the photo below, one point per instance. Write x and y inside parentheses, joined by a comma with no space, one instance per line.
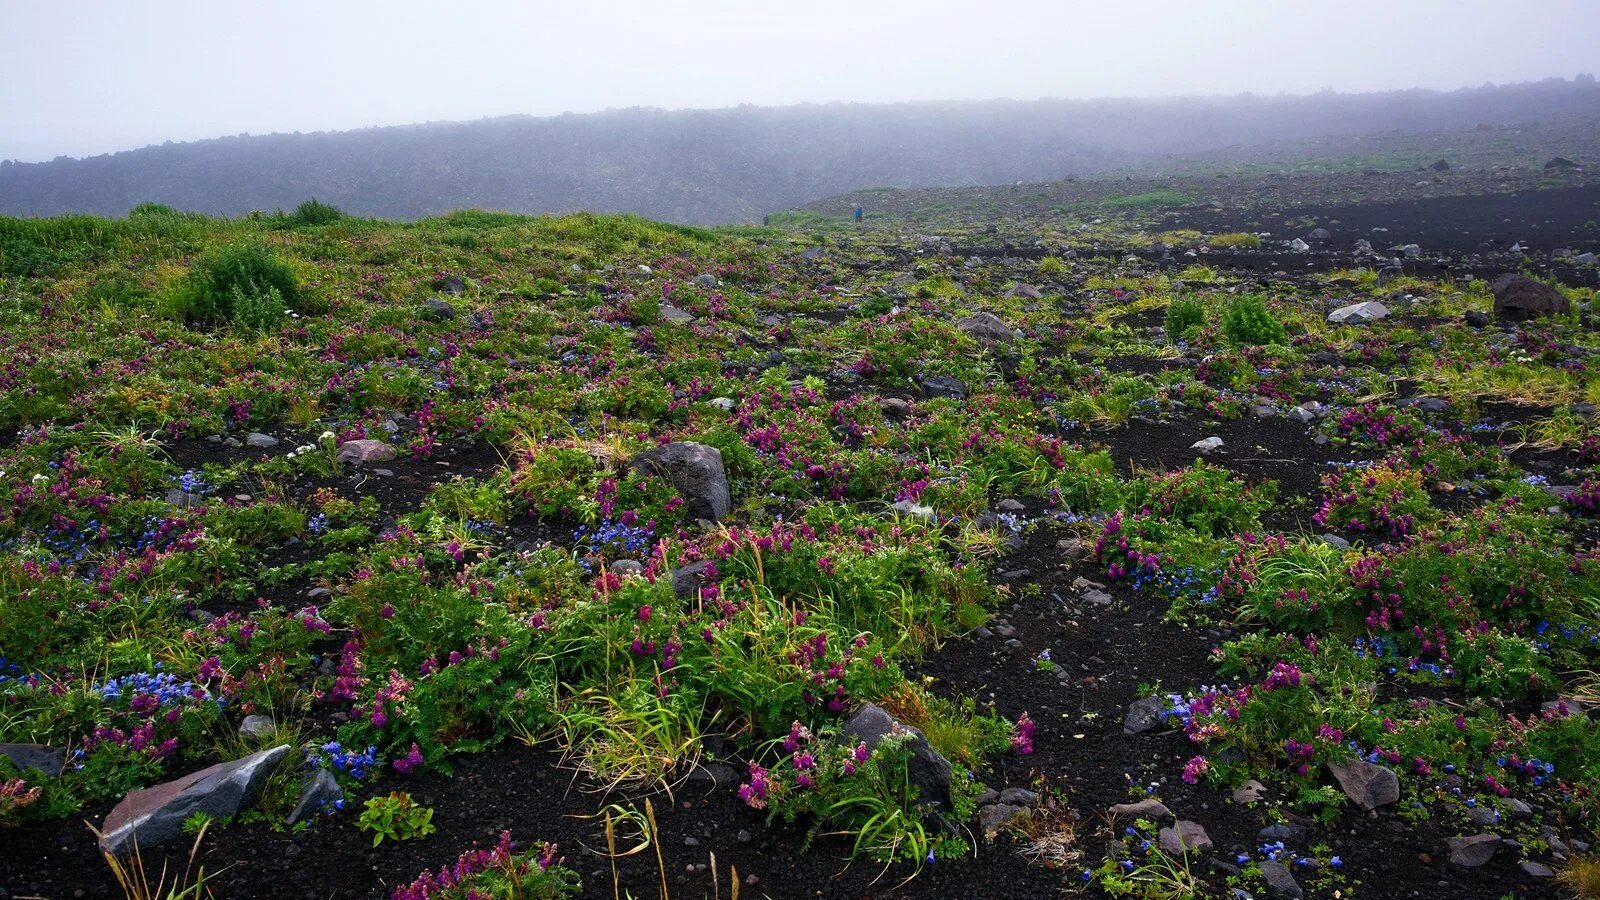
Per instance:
(1183,314)
(1248,322)
(396,817)
(242,283)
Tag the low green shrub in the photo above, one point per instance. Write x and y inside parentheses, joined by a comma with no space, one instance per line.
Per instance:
(1248,323)
(1183,315)
(242,283)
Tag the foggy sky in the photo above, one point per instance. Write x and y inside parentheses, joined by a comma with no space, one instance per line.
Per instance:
(81,77)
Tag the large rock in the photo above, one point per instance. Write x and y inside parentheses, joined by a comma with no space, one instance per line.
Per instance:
(48,760)
(696,471)
(1518,298)
(154,815)
(994,817)
(987,328)
(1027,291)
(944,386)
(365,450)
(1358,313)
(1475,850)
(927,769)
(1369,785)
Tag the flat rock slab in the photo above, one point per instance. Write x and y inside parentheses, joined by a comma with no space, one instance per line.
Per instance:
(48,760)
(1358,313)
(365,450)
(1369,785)
(153,816)
(1280,883)
(1148,808)
(1184,836)
(1474,850)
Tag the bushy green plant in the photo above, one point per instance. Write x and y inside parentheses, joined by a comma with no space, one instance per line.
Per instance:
(397,818)
(315,212)
(241,283)
(1182,315)
(1248,322)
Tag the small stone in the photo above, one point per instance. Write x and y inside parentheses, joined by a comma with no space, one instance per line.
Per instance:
(1475,850)
(1358,313)
(1280,884)
(628,568)
(912,509)
(1249,792)
(365,450)
(1291,835)
(994,817)
(1368,784)
(1184,836)
(1207,445)
(257,726)
(1148,808)
(1145,715)
(318,789)
(262,441)
(1537,869)
(944,386)
(1016,796)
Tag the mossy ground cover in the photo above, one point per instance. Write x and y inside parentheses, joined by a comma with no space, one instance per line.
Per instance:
(922,510)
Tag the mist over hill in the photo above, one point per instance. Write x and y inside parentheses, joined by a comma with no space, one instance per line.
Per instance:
(734,165)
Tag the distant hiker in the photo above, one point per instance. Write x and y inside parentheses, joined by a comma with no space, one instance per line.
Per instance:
(858,214)
(766,220)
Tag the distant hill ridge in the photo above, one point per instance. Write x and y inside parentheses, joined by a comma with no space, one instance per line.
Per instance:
(734,165)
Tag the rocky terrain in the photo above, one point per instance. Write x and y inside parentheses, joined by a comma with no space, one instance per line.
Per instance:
(1013,542)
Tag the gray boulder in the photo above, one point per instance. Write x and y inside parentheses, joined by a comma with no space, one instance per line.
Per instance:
(153,816)
(438,309)
(257,726)
(688,580)
(1280,884)
(1144,715)
(696,471)
(1184,836)
(260,441)
(944,386)
(317,790)
(1475,850)
(1518,298)
(1369,785)
(1148,808)
(48,760)
(706,281)
(928,770)
(987,329)
(993,817)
